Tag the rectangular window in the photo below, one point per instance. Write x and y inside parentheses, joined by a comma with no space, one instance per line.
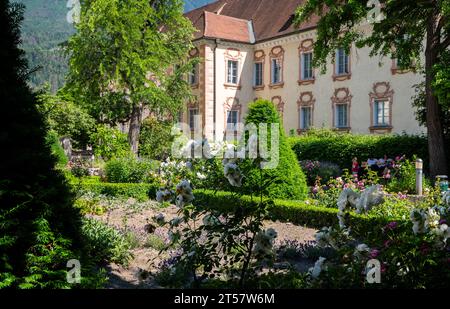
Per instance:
(342,62)
(381,113)
(341,115)
(276,71)
(193,118)
(258,74)
(307,72)
(232,72)
(232,120)
(305,117)
(193,75)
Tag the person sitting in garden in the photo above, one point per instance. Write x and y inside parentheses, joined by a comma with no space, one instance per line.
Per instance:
(355,167)
(362,171)
(371,162)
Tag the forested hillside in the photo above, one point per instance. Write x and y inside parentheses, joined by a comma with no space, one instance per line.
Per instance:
(44,30)
(45,27)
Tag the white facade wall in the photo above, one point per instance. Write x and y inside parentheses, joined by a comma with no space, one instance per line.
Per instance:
(366,73)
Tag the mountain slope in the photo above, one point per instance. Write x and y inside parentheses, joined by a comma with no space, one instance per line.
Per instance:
(45,27)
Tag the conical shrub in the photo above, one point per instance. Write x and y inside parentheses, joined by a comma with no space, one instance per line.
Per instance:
(39,228)
(289,181)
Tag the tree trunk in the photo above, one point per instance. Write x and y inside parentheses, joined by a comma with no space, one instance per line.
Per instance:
(436,147)
(135,128)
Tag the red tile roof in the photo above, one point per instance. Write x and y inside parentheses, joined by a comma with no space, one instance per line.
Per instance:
(227,28)
(270,18)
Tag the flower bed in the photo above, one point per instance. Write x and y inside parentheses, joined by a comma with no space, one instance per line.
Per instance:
(297,212)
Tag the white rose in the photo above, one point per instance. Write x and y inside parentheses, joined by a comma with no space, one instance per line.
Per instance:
(317,269)
(201,176)
(363,248)
(271,233)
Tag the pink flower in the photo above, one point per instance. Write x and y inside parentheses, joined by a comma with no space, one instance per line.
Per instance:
(361,185)
(374,253)
(402,196)
(391,226)
(442,221)
(424,249)
(383,268)
(387,243)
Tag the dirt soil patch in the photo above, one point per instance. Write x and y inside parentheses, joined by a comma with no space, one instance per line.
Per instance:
(146,258)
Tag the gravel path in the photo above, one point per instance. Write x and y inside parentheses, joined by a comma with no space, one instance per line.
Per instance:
(145,258)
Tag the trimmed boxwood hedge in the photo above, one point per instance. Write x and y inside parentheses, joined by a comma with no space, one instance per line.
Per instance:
(342,148)
(297,212)
(139,191)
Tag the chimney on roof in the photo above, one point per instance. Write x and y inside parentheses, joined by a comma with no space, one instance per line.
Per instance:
(251,32)
(220,9)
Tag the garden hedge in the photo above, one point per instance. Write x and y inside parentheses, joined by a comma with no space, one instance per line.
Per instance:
(342,148)
(139,191)
(297,212)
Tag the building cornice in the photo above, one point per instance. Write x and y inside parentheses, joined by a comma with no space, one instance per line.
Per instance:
(282,39)
(227,43)
(291,37)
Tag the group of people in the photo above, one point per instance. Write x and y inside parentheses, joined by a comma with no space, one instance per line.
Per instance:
(381,166)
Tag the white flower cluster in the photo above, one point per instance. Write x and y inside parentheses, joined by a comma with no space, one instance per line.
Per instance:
(370,197)
(425,221)
(201,176)
(175,165)
(184,194)
(328,236)
(446,198)
(361,251)
(168,169)
(363,202)
(164,195)
(324,238)
(203,149)
(317,269)
(264,243)
(347,198)
(232,173)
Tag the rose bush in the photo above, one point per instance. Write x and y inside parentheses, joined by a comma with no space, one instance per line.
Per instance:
(412,254)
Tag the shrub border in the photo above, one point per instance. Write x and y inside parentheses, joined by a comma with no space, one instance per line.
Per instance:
(297,212)
(139,191)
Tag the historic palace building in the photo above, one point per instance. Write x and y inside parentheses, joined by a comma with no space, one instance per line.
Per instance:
(250,49)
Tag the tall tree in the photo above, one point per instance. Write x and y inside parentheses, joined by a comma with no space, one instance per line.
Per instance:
(401,34)
(121,56)
(39,227)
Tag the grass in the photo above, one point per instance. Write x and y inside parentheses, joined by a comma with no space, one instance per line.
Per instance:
(155,242)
